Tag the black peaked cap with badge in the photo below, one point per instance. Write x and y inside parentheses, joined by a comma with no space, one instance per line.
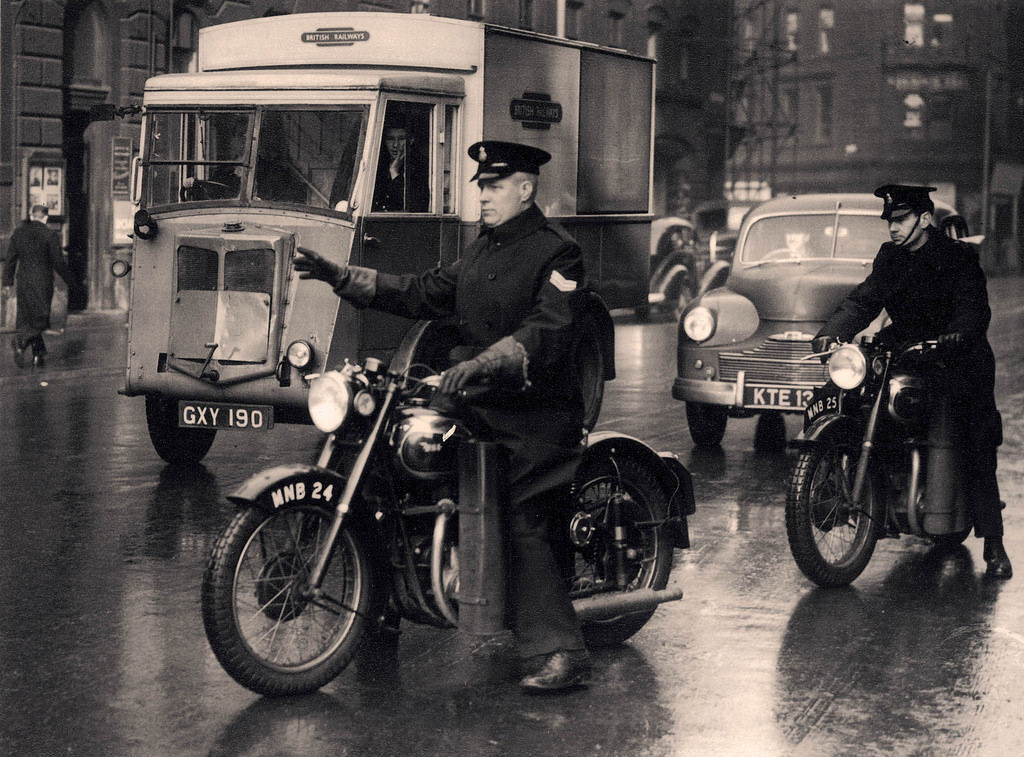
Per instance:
(901,199)
(500,159)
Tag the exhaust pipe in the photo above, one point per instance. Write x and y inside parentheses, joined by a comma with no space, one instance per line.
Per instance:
(612,604)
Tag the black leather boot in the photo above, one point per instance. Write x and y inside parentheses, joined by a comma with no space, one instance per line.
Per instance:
(564,669)
(996,557)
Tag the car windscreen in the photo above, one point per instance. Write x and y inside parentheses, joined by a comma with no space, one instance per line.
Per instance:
(797,237)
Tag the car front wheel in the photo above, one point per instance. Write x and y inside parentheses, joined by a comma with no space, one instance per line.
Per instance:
(707,423)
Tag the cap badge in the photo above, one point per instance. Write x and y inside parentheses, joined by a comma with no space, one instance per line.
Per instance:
(481,154)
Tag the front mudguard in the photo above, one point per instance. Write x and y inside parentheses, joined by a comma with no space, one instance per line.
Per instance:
(675,479)
(288,486)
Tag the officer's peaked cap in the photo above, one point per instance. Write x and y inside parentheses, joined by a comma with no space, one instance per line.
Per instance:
(500,159)
(901,199)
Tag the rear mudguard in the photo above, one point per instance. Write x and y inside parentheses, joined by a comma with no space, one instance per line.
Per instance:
(675,479)
(289,485)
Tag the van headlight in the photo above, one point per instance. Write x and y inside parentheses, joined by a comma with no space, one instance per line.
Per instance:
(329,400)
(848,367)
(699,324)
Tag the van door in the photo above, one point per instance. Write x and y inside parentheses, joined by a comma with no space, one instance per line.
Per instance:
(410,225)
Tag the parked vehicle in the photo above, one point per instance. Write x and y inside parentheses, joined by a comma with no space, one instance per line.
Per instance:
(741,346)
(877,459)
(275,142)
(400,516)
(676,266)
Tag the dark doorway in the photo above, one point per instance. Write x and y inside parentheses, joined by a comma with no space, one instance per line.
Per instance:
(77,216)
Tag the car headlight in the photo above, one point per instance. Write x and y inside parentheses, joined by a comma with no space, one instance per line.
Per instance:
(699,324)
(848,367)
(300,353)
(329,400)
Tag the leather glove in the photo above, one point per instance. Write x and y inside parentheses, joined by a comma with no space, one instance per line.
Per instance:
(951,341)
(504,357)
(311,266)
(354,283)
(823,344)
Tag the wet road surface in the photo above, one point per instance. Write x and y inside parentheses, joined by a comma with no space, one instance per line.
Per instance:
(102,650)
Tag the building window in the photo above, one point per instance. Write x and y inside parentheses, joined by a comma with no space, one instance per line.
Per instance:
(573,14)
(475,9)
(790,103)
(942,25)
(525,14)
(823,121)
(913,24)
(792,30)
(748,32)
(913,116)
(940,118)
(615,20)
(826,22)
(419,6)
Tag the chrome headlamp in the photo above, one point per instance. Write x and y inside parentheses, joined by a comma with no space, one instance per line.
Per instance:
(699,323)
(329,400)
(848,367)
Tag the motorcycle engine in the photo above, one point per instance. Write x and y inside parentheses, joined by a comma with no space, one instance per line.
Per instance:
(425,443)
(907,401)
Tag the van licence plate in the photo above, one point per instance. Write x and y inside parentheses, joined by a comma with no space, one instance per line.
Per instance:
(217,415)
(777,397)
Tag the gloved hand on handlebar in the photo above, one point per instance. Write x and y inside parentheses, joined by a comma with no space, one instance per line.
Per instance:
(353,283)
(952,341)
(823,344)
(506,357)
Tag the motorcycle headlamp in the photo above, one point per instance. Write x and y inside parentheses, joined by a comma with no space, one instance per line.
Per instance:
(329,400)
(848,367)
(699,323)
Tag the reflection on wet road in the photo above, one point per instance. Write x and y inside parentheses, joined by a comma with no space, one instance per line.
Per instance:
(103,652)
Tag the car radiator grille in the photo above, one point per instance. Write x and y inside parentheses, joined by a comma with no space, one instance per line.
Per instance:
(775,361)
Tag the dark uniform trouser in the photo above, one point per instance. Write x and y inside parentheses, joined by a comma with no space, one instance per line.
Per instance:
(543,453)
(982,430)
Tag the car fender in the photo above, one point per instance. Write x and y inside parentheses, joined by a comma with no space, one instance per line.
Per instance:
(288,486)
(736,318)
(675,479)
(714,276)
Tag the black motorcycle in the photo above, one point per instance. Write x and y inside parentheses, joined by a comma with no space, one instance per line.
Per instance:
(400,518)
(878,458)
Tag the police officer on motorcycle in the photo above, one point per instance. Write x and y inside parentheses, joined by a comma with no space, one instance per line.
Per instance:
(933,287)
(515,292)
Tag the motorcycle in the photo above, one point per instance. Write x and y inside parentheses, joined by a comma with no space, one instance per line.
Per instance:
(400,517)
(877,458)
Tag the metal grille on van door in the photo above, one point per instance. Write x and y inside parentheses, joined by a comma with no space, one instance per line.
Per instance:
(197,269)
(249,270)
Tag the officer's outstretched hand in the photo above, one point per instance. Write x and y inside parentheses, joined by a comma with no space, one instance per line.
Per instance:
(460,374)
(311,266)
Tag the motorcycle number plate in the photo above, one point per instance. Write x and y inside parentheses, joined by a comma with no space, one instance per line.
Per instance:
(776,397)
(225,415)
(824,402)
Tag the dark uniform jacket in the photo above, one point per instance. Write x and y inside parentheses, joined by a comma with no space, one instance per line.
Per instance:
(34,253)
(520,279)
(937,289)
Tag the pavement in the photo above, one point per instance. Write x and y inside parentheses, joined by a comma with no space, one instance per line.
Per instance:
(92,342)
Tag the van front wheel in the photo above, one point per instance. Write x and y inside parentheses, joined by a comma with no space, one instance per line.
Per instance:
(177,446)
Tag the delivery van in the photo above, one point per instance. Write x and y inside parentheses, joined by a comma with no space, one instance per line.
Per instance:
(281,139)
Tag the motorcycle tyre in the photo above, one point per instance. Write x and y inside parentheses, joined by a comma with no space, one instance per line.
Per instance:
(642,484)
(800,527)
(233,652)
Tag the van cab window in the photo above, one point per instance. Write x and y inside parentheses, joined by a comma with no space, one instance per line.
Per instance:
(294,156)
(402,183)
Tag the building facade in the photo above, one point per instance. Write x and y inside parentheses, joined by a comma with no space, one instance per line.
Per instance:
(835,95)
(59,59)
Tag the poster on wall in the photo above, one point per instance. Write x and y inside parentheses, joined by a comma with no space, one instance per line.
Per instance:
(46,187)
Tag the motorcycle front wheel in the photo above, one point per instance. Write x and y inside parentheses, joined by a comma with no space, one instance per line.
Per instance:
(647,559)
(266,628)
(831,540)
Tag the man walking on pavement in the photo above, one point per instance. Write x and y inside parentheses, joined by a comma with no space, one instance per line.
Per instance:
(34,254)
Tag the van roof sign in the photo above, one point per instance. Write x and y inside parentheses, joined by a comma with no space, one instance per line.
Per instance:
(342,40)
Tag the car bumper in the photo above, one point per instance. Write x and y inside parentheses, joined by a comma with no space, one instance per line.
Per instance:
(740,395)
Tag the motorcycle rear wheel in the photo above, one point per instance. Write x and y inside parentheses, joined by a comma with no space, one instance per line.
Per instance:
(264,628)
(831,541)
(644,508)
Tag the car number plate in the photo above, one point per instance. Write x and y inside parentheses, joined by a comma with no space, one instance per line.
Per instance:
(219,415)
(776,397)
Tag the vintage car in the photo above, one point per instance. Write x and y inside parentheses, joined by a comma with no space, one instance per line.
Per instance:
(675,267)
(742,346)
